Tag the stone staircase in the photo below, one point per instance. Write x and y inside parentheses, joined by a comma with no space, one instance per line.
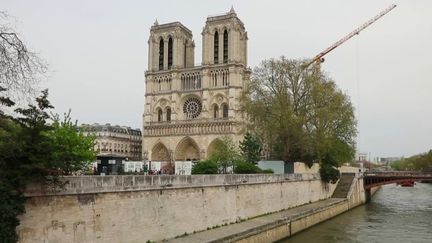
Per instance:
(344,185)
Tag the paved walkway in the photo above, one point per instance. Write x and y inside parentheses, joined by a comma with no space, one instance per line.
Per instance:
(232,230)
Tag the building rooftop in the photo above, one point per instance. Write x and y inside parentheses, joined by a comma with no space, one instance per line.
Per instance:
(96,127)
(156,26)
(225,16)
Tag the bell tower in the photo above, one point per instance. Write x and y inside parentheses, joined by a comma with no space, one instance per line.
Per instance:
(224,40)
(170,47)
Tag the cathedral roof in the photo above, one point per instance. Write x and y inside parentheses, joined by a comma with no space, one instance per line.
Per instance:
(156,26)
(225,16)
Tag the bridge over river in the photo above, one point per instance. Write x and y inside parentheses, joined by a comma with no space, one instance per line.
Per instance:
(373,179)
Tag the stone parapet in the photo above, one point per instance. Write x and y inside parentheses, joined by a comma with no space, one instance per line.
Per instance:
(126,183)
(154,208)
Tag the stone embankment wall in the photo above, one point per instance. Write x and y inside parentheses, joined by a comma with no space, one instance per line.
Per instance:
(290,226)
(141,208)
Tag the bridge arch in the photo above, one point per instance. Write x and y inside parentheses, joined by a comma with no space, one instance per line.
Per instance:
(373,179)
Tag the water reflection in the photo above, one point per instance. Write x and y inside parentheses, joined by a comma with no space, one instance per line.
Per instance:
(395,214)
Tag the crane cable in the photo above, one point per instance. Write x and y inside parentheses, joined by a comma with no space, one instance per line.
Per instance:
(357,83)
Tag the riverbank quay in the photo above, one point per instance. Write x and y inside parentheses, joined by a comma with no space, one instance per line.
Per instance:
(284,224)
(137,208)
(272,227)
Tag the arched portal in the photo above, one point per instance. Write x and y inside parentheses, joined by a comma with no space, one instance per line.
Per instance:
(212,146)
(187,149)
(160,153)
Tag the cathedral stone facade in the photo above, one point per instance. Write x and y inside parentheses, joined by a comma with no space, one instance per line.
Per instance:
(188,107)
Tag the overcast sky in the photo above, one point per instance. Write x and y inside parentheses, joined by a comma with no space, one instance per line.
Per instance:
(97,55)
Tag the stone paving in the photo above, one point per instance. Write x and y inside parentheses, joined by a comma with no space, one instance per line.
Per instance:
(225,233)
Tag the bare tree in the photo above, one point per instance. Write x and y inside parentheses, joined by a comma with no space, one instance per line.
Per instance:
(20,69)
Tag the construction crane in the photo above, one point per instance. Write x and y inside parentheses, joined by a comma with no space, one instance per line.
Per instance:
(319,58)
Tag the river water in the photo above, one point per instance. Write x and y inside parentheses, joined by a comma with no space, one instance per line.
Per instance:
(394,214)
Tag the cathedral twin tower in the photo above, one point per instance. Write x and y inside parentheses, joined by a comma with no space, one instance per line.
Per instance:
(188,107)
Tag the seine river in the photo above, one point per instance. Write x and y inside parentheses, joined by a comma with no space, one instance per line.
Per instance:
(395,214)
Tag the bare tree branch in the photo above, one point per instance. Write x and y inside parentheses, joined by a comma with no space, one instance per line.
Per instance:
(20,69)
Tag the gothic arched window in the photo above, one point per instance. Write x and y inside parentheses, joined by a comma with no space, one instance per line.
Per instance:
(161,54)
(216,48)
(168,114)
(225,110)
(159,115)
(225,47)
(216,112)
(170,53)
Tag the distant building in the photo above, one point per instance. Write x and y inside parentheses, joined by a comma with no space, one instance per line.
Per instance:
(387,160)
(362,157)
(116,141)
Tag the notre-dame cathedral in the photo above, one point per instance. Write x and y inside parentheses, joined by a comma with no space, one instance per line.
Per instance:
(188,107)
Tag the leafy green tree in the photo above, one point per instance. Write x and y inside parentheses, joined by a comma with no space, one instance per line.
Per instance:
(72,150)
(205,167)
(34,151)
(329,173)
(225,154)
(22,151)
(300,114)
(21,142)
(12,199)
(251,148)
(420,162)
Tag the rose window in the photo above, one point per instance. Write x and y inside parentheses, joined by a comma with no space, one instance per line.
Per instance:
(192,108)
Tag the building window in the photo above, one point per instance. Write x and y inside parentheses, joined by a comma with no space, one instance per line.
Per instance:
(225,47)
(185,51)
(225,111)
(159,115)
(168,114)
(161,54)
(192,108)
(215,112)
(216,48)
(170,53)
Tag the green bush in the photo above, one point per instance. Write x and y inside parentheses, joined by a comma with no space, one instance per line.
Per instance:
(205,167)
(243,167)
(329,174)
(267,171)
(11,205)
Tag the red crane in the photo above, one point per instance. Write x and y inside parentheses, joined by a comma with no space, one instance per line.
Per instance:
(319,58)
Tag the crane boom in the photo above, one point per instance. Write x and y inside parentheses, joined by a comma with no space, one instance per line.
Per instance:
(318,58)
